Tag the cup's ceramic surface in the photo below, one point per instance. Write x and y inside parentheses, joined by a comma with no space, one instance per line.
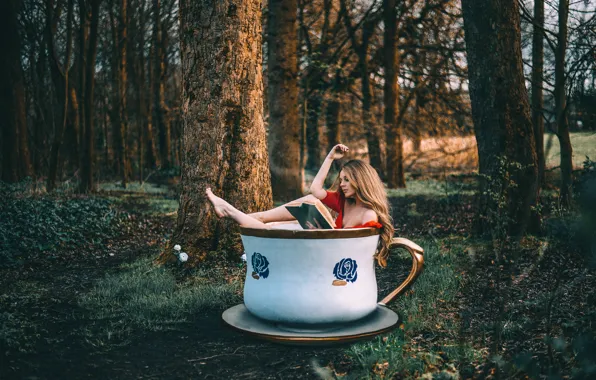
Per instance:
(310,276)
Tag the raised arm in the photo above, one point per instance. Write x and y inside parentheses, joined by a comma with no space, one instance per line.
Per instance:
(316,188)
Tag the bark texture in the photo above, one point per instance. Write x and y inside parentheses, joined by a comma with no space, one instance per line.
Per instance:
(224,140)
(282,95)
(500,108)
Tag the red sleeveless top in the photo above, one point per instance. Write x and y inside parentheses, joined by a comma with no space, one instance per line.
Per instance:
(335,200)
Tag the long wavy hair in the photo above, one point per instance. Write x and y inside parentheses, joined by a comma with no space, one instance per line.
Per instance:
(370,191)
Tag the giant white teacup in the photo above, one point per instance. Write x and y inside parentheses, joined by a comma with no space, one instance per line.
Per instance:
(316,276)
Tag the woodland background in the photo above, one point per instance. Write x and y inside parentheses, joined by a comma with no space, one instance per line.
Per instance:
(480,117)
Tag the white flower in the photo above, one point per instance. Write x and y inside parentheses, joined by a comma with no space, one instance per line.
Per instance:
(243,257)
(183,257)
(177,247)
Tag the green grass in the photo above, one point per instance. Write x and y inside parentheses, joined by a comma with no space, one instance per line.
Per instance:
(425,312)
(583,144)
(134,187)
(145,296)
(431,188)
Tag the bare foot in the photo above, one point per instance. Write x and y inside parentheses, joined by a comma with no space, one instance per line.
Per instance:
(222,208)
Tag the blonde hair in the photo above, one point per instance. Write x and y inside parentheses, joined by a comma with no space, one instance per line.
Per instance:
(370,191)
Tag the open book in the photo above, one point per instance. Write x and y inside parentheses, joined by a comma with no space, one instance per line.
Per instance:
(311,215)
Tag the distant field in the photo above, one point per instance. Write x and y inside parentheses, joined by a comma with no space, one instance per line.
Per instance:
(583,144)
(459,154)
(442,154)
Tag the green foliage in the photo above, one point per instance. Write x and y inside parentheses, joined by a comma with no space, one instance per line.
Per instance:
(44,224)
(497,194)
(144,295)
(423,312)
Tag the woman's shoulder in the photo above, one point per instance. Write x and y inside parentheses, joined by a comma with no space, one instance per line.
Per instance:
(369,215)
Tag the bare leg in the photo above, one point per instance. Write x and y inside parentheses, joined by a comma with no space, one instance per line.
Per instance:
(224,209)
(281,213)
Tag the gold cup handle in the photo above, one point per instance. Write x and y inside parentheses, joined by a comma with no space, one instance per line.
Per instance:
(417,264)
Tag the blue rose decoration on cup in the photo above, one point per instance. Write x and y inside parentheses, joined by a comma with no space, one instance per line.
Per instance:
(260,266)
(345,271)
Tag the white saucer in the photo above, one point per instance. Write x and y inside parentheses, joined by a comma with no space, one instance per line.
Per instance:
(379,321)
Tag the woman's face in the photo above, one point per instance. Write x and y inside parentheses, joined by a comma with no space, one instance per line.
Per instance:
(346,185)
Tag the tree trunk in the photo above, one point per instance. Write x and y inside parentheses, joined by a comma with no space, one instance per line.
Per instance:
(395,157)
(12,92)
(74,133)
(88,138)
(160,110)
(61,84)
(372,138)
(120,122)
(152,156)
(224,139)
(561,106)
(282,96)
(538,103)
(84,17)
(137,69)
(537,83)
(500,111)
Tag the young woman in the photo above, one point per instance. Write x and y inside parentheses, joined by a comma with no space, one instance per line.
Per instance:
(357,195)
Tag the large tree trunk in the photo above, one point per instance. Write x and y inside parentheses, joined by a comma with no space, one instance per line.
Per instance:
(87,183)
(224,139)
(282,96)
(12,92)
(561,105)
(395,156)
(500,110)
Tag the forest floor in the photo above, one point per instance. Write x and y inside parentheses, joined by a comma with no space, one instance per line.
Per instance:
(71,311)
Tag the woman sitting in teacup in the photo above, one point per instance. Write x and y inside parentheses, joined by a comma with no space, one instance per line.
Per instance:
(357,195)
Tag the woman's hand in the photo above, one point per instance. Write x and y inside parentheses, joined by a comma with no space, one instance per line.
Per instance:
(316,187)
(338,151)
